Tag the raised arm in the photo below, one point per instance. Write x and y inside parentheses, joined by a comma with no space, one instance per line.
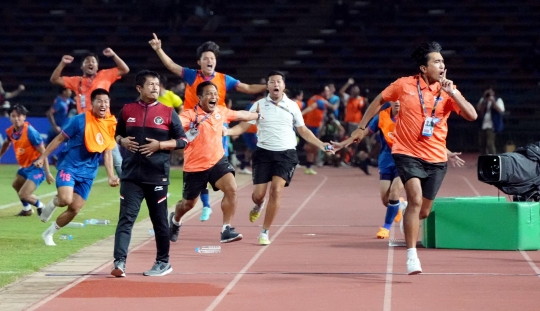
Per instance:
(343,89)
(372,110)
(166,60)
(14,93)
(122,67)
(250,88)
(467,109)
(55,77)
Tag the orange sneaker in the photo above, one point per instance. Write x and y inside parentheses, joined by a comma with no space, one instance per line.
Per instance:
(398,216)
(383,233)
(402,206)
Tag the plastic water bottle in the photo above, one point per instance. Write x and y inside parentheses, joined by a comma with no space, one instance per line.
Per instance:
(151,231)
(76,225)
(208,249)
(68,237)
(97,222)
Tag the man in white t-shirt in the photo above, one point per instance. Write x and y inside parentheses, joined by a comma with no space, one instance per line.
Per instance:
(275,159)
(490,110)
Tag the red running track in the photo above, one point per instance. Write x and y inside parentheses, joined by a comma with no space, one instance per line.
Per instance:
(323,256)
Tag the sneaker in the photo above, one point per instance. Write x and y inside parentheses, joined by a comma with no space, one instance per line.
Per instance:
(229,235)
(119,269)
(47,211)
(401,220)
(25,213)
(256,212)
(174,230)
(383,233)
(263,239)
(245,171)
(363,165)
(159,268)
(39,210)
(413,266)
(402,206)
(310,171)
(205,215)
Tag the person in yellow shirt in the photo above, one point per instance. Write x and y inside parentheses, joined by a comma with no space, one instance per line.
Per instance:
(168,98)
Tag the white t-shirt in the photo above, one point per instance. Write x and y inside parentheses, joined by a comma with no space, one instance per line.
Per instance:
(276,131)
(487,123)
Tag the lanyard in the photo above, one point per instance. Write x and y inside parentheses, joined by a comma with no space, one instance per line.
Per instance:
(282,107)
(196,124)
(422,99)
(87,87)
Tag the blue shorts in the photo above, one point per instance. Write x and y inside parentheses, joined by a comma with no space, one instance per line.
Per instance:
(250,139)
(389,173)
(35,174)
(81,186)
(314,130)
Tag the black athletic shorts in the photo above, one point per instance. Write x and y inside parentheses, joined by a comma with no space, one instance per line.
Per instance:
(195,182)
(431,175)
(267,164)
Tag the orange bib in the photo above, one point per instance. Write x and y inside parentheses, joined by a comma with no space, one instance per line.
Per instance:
(99,133)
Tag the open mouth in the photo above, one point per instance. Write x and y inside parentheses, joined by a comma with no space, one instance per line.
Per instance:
(212,103)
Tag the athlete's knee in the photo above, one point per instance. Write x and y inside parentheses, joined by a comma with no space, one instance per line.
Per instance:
(230,190)
(64,200)
(257,198)
(275,192)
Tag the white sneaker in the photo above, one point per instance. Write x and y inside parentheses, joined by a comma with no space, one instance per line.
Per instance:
(47,211)
(264,239)
(245,171)
(48,238)
(413,266)
(404,205)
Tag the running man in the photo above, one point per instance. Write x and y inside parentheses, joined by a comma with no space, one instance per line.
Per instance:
(419,151)
(28,147)
(207,60)
(205,161)
(88,135)
(92,79)
(275,159)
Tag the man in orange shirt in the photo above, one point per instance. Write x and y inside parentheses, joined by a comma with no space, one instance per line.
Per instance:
(92,79)
(204,158)
(419,149)
(313,118)
(207,60)
(354,103)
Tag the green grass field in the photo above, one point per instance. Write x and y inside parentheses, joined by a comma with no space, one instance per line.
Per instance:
(23,250)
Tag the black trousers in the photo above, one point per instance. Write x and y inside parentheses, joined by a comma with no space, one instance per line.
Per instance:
(131,196)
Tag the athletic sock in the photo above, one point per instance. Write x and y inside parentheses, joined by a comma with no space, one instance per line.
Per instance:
(205,198)
(309,164)
(53,229)
(391,211)
(178,223)
(411,253)
(38,204)
(26,206)
(265,231)
(225,227)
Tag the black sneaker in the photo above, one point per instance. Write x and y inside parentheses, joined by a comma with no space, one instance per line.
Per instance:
(159,268)
(229,235)
(25,213)
(363,165)
(39,209)
(119,269)
(174,230)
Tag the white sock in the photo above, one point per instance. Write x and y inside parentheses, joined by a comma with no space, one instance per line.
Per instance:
(259,207)
(27,208)
(264,231)
(178,223)
(41,205)
(225,227)
(411,253)
(48,234)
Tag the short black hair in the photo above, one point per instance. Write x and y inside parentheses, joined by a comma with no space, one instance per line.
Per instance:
(420,54)
(321,88)
(204,84)
(97,92)
(140,78)
(90,55)
(296,92)
(19,108)
(275,73)
(208,46)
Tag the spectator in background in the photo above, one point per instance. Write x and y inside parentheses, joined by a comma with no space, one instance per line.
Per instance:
(58,113)
(333,99)
(354,104)
(4,104)
(168,98)
(490,111)
(179,88)
(313,119)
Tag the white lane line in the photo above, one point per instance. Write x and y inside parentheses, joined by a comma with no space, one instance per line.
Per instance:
(387,305)
(229,287)
(471,186)
(530,262)
(79,280)
(523,253)
(45,195)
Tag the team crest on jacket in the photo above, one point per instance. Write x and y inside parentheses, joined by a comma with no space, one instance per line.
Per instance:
(218,116)
(158,120)
(99,139)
